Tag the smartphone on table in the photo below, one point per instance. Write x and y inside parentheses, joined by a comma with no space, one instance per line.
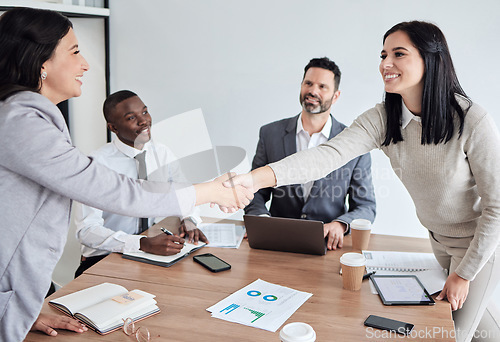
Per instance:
(383,323)
(212,262)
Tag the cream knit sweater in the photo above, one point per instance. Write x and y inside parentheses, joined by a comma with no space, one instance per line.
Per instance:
(455,186)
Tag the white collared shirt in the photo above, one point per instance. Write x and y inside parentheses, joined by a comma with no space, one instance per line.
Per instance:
(101,232)
(407,116)
(305,141)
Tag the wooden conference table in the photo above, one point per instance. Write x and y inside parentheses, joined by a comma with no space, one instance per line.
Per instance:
(186,289)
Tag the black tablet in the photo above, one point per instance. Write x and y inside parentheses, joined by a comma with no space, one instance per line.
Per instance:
(401,290)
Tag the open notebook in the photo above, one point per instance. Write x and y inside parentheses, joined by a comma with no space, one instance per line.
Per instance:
(103,307)
(164,260)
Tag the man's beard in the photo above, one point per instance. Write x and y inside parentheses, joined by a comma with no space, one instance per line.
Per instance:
(315,109)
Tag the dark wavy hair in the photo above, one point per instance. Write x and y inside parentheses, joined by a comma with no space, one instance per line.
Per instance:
(439,104)
(112,100)
(325,63)
(28,38)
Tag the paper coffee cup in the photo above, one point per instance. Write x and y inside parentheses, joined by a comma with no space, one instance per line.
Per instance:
(360,232)
(297,332)
(353,268)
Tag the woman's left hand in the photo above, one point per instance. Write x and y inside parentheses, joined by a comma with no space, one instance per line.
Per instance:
(48,322)
(456,290)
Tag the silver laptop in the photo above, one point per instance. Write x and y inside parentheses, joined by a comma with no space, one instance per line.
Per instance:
(285,234)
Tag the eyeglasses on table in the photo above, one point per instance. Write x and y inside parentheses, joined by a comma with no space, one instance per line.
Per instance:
(141,333)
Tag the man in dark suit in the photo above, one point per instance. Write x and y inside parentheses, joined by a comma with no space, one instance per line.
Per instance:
(343,195)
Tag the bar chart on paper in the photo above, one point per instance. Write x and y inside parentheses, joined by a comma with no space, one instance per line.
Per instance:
(256,313)
(260,304)
(246,315)
(249,316)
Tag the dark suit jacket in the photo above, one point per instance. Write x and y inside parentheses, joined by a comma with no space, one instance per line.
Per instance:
(329,196)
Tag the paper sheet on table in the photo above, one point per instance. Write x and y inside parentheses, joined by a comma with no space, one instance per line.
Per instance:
(223,234)
(260,304)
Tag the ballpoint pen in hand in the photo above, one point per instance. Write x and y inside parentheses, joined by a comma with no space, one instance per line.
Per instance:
(168,232)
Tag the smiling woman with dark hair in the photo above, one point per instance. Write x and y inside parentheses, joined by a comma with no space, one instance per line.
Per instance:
(446,151)
(440,87)
(42,172)
(27,43)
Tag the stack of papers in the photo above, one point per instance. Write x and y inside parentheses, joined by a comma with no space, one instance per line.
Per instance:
(260,304)
(223,234)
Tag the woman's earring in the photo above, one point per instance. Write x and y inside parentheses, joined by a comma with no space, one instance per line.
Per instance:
(43,75)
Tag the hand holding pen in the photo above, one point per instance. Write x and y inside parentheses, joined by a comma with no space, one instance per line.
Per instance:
(169,233)
(162,244)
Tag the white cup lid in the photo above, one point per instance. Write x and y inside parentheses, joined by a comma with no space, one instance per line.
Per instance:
(353,259)
(361,224)
(297,332)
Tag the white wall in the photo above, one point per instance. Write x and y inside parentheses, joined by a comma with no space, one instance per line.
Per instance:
(87,124)
(242,62)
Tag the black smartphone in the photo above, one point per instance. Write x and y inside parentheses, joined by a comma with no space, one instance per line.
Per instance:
(211,262)
(383,323)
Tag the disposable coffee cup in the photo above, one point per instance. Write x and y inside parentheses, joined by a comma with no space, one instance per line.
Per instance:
(360,232)
(297,332)
(353,268)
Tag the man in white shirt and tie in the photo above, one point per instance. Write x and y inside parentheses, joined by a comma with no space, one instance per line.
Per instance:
(133,154)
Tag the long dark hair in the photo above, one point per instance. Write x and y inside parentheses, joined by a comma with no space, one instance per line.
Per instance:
(28,38)
(440,86)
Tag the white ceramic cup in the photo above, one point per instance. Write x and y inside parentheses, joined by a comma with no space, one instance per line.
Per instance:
(297,332)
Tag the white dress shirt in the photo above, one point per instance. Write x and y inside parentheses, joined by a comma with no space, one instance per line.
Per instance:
(101,232)
(305,141)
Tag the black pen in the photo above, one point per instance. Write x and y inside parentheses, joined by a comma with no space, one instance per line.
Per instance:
(166,231)
(366,276)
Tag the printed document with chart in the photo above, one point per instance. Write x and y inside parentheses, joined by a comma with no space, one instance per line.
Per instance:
(260,304)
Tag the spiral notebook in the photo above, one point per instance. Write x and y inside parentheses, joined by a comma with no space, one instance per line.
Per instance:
(400,261)
(423,265)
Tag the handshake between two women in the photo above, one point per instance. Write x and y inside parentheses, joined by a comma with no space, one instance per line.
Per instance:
(232,192)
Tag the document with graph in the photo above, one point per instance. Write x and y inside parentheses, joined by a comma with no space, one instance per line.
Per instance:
(260,304)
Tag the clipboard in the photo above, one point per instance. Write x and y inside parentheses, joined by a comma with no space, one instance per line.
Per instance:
(401,290)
